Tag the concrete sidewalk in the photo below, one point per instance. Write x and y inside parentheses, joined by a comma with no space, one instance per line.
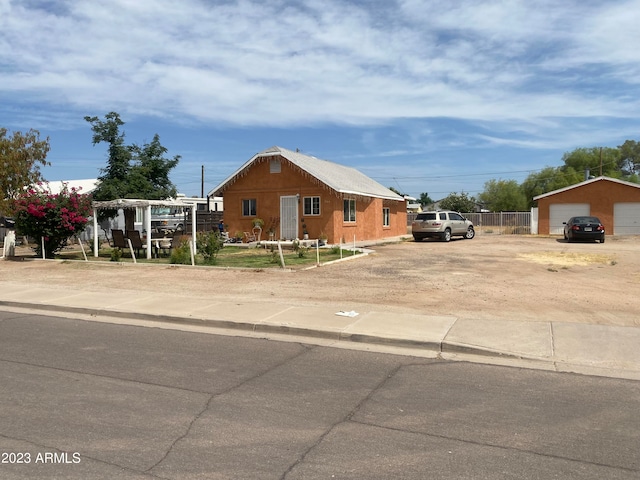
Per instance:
(568,347)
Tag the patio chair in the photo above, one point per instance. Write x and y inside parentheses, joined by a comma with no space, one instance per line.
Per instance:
(249,237)
(136,241)
(119,241)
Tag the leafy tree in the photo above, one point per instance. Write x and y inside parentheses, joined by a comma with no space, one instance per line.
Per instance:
(459,202)
(503,196)
(21,156)
(425,199)
(56,217)
(630,158)
(132,171)
(578,161)
(151,171)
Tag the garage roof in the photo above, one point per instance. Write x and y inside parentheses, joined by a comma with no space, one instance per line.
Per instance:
(586,182)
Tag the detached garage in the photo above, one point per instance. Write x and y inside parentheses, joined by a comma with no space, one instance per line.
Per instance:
(615,202)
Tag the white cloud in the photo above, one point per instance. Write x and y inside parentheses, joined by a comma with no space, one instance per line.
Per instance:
(290,63)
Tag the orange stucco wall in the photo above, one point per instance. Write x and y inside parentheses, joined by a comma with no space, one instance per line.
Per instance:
(267,188)
(601,196)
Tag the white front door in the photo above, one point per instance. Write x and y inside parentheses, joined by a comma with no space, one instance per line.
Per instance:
(288,217)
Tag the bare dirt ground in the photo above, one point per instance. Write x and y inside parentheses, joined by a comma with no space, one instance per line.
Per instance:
(518,278)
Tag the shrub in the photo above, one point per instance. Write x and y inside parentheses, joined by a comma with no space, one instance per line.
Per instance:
(56,217)
(116,254)
(209,245)
(181,254)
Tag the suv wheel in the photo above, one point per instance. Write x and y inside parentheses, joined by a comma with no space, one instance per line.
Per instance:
(446,236)
(470,233)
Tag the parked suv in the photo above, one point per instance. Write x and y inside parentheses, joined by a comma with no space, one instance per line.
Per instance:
(443,225)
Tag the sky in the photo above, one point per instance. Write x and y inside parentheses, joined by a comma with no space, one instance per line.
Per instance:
(425,96)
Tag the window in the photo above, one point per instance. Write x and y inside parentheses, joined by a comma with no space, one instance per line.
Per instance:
(385,217)
(249,207)
(311,206)
(274,166)
(349,210)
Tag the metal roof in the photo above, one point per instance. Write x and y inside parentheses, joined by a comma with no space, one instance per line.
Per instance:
(586,182)
(342,179)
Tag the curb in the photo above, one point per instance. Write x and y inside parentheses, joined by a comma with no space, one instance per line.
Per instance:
(437,347)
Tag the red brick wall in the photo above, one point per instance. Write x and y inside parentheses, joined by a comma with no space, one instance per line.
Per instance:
(267,188)
(601,195)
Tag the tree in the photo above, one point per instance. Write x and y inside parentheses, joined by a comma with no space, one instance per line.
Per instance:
(132,171)
(594,160)
(114,178)
(630,158)
(425,199)
(503,196)
(21,156)
(151,171)
(55,217)
(458,202)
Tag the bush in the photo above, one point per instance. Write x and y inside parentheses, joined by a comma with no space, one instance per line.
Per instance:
(209,245)
(56,217)
(116,254)
(181,255)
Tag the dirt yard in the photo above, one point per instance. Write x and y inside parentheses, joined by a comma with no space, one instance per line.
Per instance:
(516,278)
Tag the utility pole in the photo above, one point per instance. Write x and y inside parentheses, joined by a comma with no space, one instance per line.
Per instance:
(600,161)
(202,183)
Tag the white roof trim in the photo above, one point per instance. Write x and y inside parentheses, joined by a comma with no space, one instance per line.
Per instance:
(587,182)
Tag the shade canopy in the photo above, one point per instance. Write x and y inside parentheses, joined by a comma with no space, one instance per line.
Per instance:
(132,203)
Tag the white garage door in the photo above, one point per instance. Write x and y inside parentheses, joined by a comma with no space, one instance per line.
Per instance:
(626,219)
(562,212)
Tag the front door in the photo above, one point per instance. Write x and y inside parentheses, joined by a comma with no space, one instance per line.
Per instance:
(289,217)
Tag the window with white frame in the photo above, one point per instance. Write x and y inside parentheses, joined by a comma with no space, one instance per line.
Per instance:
(349,210)
(311,206)
(385,216)
(249,207)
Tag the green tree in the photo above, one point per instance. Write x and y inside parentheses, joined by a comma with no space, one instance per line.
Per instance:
(630,159)
(503,196)
(21,156)
(150,172)
(460,202)
(132,171)
(593,159)
(54,217)
(425,199)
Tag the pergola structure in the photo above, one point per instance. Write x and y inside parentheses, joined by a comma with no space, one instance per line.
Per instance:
(127,203)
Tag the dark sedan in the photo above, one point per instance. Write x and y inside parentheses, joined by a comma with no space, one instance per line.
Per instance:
(584,228)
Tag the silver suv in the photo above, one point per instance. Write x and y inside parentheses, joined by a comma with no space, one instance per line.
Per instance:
(442,225)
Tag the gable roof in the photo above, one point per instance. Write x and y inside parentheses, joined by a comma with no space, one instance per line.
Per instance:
(587,182)
(342,179)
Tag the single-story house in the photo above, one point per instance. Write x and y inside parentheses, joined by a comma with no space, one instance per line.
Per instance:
(295,193)
(615,202)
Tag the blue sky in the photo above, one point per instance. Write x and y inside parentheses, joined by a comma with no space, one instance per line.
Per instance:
(424,96)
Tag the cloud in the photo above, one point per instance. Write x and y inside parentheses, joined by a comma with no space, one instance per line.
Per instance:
(314,62)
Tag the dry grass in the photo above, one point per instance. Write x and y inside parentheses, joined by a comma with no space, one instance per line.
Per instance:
(568,259)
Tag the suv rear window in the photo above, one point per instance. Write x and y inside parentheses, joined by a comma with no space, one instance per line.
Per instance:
(426,216)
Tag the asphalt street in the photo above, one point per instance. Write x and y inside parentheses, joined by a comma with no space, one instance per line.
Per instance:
(90,400)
